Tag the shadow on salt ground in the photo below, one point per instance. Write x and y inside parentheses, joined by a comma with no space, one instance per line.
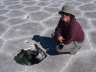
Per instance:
(47,43)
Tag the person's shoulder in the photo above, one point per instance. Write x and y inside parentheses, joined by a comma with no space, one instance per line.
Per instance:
(75,22)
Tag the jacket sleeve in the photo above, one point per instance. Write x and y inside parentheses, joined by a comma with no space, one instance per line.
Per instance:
(71,34)
(58,29)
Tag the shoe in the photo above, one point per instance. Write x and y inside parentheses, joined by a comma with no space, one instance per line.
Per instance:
(61,45)
(75,50)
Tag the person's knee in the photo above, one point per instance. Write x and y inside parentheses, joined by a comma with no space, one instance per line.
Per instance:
(58,49)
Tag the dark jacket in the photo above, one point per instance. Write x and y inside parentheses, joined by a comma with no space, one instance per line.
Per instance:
(69,31)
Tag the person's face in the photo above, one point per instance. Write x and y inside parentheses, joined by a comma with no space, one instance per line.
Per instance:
(65,18)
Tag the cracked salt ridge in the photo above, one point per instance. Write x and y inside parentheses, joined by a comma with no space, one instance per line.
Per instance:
(48,63)
(27,27)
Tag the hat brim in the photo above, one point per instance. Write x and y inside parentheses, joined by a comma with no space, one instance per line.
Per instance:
(61,12)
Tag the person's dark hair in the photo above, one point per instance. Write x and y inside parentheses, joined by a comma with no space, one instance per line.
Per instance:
(72,17)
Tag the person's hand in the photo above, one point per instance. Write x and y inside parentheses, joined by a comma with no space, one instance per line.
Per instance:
(60,39)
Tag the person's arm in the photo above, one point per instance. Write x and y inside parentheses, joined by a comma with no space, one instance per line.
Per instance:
(71,33)
(58,30)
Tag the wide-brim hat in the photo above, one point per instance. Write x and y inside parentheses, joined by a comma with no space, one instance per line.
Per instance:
(67,9)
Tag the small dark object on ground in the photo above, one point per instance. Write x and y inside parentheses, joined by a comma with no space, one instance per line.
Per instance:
(61,45)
